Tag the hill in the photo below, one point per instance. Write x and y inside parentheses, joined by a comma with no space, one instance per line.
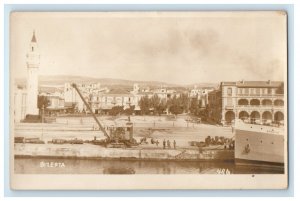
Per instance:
(59,80)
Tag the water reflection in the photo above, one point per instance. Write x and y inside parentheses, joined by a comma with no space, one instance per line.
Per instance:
(84,166)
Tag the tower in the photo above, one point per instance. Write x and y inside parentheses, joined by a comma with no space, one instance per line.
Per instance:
(33,63)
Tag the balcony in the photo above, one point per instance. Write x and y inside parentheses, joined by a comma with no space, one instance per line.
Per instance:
(261,95)
(260,107)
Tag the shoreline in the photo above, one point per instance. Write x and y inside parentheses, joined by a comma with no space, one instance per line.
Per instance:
(95,152)
(122,159)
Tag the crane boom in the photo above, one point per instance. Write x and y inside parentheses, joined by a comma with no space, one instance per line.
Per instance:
(91,111)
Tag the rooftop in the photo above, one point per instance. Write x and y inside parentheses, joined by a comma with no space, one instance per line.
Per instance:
(254,83)
(118,92)
(33,40)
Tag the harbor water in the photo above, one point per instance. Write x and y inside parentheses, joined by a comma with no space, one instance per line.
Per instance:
(93,166)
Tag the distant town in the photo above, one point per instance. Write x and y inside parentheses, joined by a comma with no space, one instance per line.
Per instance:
(260,101)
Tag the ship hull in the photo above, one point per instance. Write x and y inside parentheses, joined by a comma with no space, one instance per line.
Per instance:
(259,148)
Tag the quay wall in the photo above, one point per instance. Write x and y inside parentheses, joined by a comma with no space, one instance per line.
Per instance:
(98,152)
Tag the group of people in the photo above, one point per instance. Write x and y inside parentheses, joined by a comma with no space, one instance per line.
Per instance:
(166,144)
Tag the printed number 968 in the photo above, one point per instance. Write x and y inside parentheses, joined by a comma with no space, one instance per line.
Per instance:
(223,171)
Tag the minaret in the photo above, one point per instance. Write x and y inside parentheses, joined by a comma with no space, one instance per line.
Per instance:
(33,63)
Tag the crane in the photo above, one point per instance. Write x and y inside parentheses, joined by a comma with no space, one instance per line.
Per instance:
(91,111)
(119,136)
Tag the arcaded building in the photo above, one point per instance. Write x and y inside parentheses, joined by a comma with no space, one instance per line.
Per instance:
(260,102)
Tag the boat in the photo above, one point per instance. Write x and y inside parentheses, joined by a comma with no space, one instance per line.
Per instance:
(258,144)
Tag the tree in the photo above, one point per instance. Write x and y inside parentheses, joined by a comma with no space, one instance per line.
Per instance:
(116,110)
(155,102)
(194,108)
(43,102)
(144,104)
(176,107)
(129,111)
(161,107)
(184,102)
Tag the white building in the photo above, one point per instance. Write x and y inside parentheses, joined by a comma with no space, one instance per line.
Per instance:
(260,102)
(201,94)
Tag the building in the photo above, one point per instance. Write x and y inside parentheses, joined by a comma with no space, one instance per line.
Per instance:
(260,102)
(117,97)
(166,94)
(102,100)
(90,92)
(54,102)
(201,94)
(33,63)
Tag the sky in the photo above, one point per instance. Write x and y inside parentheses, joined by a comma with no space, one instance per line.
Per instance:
(179,48)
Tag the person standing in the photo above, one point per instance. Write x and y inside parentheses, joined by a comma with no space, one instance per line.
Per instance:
(169,144)
(164,143)
(174,144)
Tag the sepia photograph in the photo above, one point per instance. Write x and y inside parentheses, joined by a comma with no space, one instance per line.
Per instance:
(148,100)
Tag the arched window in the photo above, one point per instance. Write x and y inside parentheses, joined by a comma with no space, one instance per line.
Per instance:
(279,102)
(254,102)
(229,117)
(279,117)
(266,102)
(243,115)
(243,102)
(267,117)
(255,117)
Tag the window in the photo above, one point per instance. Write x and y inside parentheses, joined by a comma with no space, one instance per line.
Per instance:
(246,91)
(229,91)
(269,91)
(258,91)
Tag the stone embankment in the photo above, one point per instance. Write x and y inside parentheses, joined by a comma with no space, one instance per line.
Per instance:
(98,152)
